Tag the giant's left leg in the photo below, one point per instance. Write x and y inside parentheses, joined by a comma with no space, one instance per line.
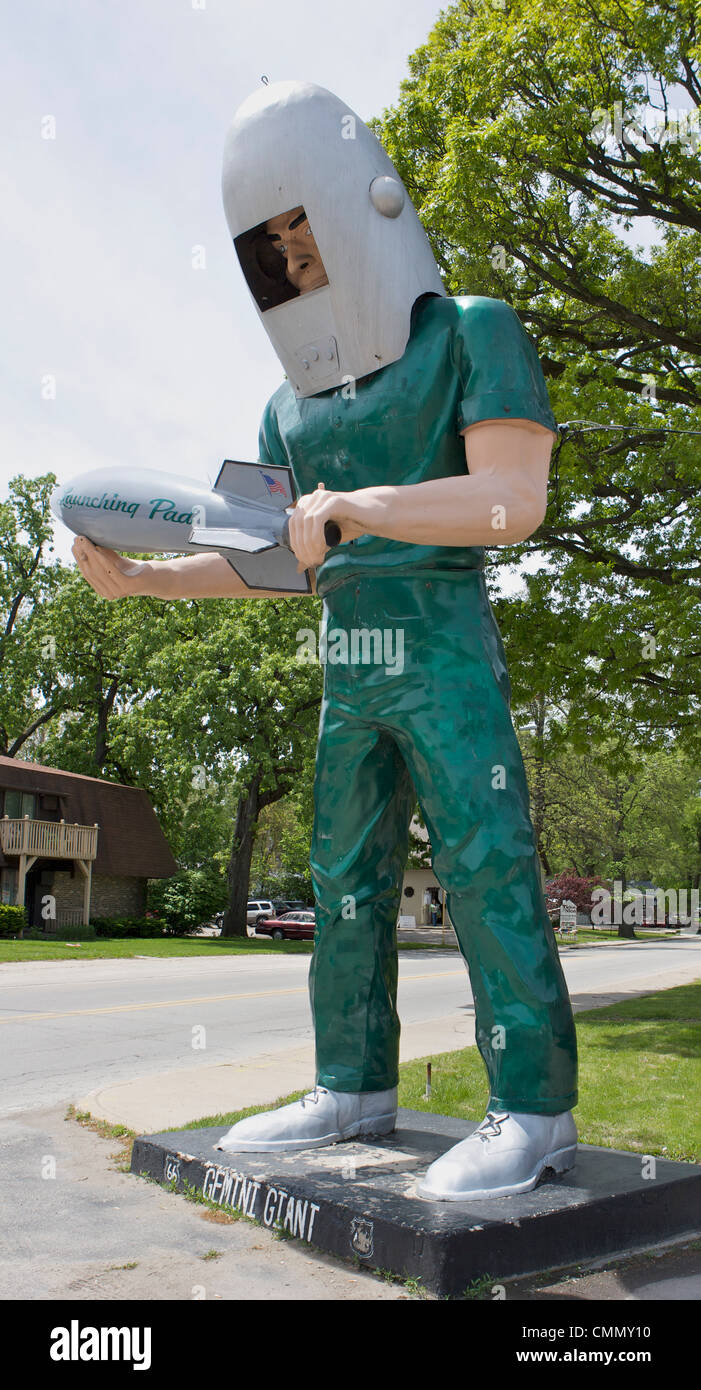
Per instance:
(461,749)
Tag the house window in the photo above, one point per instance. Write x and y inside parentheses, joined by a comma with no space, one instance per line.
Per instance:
(8,885)
(19,804)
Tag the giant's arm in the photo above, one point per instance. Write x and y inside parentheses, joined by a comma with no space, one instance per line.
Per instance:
(192,576)
(502,500)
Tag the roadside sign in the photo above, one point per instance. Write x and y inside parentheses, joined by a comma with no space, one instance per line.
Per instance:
(568,918)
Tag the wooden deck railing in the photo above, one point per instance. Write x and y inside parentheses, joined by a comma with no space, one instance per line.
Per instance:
(67,917)
(48,839)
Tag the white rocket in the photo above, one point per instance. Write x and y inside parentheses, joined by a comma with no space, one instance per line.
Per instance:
(243,517)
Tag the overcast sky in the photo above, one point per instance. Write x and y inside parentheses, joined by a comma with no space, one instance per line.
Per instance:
(156,364)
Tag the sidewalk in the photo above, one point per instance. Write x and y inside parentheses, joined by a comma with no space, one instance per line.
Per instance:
(170,1099)
(170,1242)
(98,1234)
(664,1272)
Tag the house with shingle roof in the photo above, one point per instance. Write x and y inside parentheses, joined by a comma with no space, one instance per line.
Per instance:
(75,847)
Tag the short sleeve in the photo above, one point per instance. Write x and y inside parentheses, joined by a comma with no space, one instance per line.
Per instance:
(270,446)
(499,367)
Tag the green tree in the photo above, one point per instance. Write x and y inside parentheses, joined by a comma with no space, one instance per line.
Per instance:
(280,860)
(515,134)
(29,697)
(621,817)
(231,710)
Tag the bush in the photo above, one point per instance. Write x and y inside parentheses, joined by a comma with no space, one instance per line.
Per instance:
(13,919)
(80,933)
(569,887)
(189,899)
(126,927)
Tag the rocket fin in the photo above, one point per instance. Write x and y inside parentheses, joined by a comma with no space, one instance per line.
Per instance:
(262,484)
(275,569)
(262,563)
(224,538)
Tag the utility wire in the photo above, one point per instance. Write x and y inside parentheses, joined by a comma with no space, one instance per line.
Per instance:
(647,429)
(585,426)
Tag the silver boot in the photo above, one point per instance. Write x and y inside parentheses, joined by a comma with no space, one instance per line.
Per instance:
(507,1154)
(321,1117)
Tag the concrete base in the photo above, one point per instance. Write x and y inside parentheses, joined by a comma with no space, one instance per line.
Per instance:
(357,1199)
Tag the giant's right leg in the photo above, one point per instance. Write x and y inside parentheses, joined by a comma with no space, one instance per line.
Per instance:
(364,799)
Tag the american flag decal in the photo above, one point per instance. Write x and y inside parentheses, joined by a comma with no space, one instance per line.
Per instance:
(272,484)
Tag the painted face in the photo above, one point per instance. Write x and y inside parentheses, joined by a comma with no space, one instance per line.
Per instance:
(291,235)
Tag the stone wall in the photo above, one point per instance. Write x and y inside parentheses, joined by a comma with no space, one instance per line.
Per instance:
(111,896)
(117,897)
(67,889)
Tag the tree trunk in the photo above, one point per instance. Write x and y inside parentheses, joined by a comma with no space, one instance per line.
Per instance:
(625,929)
(105,706)
(696,878)
(238,869)
(538,709)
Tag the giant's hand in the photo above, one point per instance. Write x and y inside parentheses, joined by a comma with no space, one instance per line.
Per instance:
(500,499)
(110,574)
(307,521)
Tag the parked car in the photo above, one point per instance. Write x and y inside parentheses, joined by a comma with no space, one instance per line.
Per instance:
(257,909)
(283,905)
(291,926)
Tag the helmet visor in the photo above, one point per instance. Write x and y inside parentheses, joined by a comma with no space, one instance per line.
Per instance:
(280,259)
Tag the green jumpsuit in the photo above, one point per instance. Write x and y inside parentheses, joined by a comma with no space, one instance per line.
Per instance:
(434,726)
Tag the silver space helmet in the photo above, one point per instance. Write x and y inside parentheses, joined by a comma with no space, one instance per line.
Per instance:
(335,278)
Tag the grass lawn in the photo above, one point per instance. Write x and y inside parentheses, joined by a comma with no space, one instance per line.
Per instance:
(172,946)
(639,1077)
(584,935)
(104,949)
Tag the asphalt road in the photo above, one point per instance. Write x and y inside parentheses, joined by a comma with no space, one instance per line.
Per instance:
(94,1232)
(69,1027)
